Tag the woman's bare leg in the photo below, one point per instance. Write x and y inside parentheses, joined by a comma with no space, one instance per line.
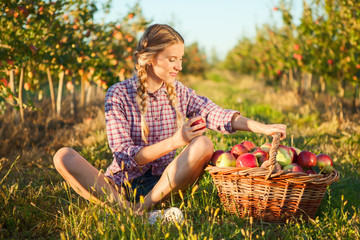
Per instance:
(85,179)
(183,171)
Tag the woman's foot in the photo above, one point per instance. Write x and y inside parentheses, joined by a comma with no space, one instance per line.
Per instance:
(172,214)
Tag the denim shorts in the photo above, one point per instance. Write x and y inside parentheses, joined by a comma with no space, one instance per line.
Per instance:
(143,185)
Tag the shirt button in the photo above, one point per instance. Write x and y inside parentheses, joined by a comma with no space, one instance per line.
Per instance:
(156,138)
(156,119)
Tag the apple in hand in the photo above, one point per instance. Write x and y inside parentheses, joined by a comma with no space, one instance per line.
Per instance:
(284,157)
(215,156)
(226,160)
(293,167)
(248,144)
(247,160)
(325,162)
(306,159)
(201,120)
(261,156)
(238,150)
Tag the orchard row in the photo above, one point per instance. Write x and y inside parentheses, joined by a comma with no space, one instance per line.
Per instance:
(60,43)
(323,48)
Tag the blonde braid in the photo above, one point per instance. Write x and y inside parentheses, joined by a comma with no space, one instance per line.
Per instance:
(141,99)
(174,102)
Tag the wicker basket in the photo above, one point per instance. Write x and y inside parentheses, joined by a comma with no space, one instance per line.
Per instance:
(267,195)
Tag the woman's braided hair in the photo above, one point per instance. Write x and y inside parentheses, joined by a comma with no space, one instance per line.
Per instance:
(155,38)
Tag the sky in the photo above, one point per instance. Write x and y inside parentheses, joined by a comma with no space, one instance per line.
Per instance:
(215,24)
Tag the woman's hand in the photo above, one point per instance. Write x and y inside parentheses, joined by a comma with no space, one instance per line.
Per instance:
(271,129)
(241,123)
(186,133)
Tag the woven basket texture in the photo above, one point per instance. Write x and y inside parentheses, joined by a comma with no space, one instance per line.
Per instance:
(267,195)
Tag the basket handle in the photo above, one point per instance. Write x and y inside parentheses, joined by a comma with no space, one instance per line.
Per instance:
(273,152)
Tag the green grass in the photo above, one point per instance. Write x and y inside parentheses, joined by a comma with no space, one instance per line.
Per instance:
(36,203)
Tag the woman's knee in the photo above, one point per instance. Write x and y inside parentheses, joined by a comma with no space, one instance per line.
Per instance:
(203,145)
(63,158)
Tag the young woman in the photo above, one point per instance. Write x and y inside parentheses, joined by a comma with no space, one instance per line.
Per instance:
(145,122)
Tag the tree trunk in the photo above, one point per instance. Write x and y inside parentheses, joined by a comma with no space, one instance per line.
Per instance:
(13,90)
(52,94)
(322,84)
(291,78)
(73,99)
(21,84)
(82,92)
(354,97)
(12,81)
(89,95)
(59,95)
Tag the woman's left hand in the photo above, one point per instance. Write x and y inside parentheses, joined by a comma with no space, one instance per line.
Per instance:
(271,129)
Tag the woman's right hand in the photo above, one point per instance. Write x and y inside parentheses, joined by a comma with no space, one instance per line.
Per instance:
(187,132)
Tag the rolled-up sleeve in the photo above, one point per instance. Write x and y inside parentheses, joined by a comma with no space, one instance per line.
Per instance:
(217,118)
(118,133)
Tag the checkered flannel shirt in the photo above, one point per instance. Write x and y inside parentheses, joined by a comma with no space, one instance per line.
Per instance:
(123,125)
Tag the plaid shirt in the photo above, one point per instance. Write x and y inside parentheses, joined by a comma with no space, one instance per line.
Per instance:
(123,125)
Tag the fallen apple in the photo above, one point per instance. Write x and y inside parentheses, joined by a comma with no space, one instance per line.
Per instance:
(226,160)
(306,159)
(238,149)
(293,167)
(248,144)
(247,160)
(325,163)
(215,156)
(284,156)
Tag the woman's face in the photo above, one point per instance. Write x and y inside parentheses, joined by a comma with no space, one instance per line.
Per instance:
(168,63)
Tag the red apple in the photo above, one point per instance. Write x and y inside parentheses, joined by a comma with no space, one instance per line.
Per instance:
(310,171)
(324,162)
(238,150)
(293,167)
(226,160)
(215,156)
(266,147)
(201,120)
(296,152)
(248,144)
(247,160)
(254,149)
(306,159)
(284,156)
(261,156)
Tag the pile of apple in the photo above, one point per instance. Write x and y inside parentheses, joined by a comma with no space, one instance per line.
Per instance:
(291,159)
